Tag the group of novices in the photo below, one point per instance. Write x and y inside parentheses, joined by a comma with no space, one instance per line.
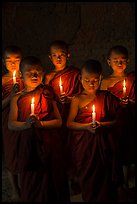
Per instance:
(51,145)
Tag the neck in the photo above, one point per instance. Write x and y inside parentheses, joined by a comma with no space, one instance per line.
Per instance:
(28,89)
(117,74)
(57,69)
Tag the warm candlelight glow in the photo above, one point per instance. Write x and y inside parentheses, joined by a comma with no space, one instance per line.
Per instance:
(124,88)
(93,115)
(14,77)
(61,86)
(32,105)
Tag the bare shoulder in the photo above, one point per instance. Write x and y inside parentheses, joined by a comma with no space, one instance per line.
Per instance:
(105,82)
(75,99)
(16,96)
(49,77)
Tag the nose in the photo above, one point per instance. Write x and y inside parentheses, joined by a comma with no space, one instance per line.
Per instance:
(91,83)
(58,57)
(34,75)
(120,62)
(12,63)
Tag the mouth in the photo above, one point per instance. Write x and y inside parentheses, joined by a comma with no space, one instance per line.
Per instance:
(34,81)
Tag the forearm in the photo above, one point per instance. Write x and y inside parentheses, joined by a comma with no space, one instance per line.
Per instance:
(51,123)
(5,102)
(77,126)
(16,125)
(108,123)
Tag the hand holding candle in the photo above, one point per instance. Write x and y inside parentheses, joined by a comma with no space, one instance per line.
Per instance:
(93,115)
(32,106)
(14,77)
(124,89)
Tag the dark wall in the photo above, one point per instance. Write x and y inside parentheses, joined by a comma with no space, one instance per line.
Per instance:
(90,28)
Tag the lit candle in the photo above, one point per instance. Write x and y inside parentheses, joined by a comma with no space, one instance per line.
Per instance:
(32,106)
(93,115)
(14,77)
(124,88)
(61,86)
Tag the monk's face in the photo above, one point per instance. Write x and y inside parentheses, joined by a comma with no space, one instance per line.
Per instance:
(12,62)
(118,62)
(58,57)
(90,81)
(32,75)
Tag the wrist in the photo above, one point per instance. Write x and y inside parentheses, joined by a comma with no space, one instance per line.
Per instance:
(42,125)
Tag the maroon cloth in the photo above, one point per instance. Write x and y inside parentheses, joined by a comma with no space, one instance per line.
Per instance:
(71,86)
(9,137)
(127,129)
(39,152)
(93,155)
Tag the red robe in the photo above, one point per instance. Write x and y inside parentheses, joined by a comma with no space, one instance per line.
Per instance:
(71,86)
(8,141)
(127,133)
(93,155)
(39,152)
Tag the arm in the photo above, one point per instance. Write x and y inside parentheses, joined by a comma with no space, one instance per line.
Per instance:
(13,124)
(72,114)
(6,102)
(107,124)
(57,122)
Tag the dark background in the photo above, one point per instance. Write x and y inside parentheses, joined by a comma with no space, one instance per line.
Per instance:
(90,28)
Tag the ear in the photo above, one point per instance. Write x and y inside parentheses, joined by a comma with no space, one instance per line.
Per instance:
(68,55)
(3,61)
(128,60)
(108,61)
(20,74)
(49,57)
(100,78)
(80,78)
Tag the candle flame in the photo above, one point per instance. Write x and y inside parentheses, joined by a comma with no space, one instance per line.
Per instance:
(124,83)
(93,108)
(14,73)
(32,101)
(60,82)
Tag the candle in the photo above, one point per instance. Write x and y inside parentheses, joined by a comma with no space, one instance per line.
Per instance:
(61,86)
(93,115)
(124,89)
(32,106)
(14,77)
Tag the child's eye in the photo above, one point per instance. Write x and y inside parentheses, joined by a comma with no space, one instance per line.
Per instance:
(53,55)
(63,54)
(86,80)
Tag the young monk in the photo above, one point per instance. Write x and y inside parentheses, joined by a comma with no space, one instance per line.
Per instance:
(118,60)
(39,148)
(64,75)
(10,85)
(68,78)
(93,151)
